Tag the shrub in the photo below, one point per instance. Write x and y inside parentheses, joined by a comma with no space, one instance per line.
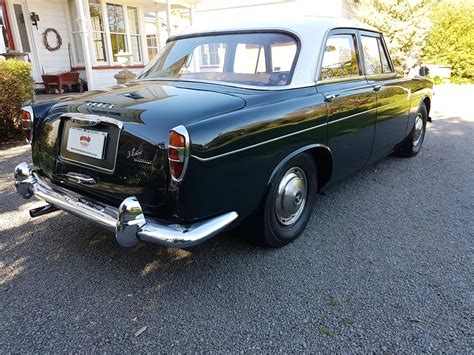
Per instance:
(16,88)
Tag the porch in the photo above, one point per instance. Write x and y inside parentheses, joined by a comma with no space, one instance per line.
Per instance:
(87,35)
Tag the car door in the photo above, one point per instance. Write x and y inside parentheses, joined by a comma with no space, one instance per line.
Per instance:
(393,95)
(350,102)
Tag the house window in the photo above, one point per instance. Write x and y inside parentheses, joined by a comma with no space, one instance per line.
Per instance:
(98,33)
(210,55)
(116,28)
(152,44)
(134,30)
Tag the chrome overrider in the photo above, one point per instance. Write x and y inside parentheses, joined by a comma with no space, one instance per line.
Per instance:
(128,221)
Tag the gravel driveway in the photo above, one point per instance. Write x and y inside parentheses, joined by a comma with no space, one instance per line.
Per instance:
(385,265)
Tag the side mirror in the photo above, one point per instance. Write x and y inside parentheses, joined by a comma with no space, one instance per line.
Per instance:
(424,71)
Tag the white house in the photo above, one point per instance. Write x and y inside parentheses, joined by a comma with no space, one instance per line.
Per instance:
(86,35)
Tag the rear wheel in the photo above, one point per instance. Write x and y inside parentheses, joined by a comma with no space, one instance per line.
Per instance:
(289,201)
(411,146)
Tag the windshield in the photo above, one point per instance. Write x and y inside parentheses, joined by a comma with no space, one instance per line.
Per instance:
(259,59)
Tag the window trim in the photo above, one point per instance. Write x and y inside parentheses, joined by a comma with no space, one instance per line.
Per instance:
(341,31)
(386,52)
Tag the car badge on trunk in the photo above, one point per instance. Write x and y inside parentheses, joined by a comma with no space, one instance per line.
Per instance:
(99,105)
(136,155)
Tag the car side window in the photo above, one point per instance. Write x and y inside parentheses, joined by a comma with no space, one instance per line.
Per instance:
(375,57)
(373,63)
(386,67)
(340,57)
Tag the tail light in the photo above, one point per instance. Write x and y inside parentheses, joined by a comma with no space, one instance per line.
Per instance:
(178,152)
(26,120)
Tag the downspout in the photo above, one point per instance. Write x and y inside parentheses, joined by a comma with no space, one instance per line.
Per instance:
(83,30)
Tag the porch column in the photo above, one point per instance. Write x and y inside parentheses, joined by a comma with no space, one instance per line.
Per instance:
(158,27)
(83,30)
(168,17)
(191,14)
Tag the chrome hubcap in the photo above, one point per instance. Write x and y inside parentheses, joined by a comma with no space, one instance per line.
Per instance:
(418,129)
(291,196)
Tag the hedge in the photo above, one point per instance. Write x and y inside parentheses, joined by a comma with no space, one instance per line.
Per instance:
(16,88)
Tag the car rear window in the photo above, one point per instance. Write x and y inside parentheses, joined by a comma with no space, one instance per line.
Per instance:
(257,59)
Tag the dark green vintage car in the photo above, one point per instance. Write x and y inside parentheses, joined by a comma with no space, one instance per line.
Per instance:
(225,127)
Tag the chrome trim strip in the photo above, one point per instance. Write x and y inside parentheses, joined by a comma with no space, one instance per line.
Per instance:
(258,144)
(128,221)
(341,79)
(240,86)
(350,116)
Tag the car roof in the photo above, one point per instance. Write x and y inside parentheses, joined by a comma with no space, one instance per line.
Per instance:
(301,25)
(310,30)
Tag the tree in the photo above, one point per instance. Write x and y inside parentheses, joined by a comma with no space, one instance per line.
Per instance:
(404,23)
(450,40)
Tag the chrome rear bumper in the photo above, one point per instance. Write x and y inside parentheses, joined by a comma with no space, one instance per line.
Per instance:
(128,221)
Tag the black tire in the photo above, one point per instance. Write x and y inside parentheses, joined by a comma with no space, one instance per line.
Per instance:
(411,145)
(277,230)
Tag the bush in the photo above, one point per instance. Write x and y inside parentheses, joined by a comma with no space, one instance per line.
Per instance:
(16,88)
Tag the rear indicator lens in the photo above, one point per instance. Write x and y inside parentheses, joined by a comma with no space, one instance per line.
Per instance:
(178,152)
(26,121)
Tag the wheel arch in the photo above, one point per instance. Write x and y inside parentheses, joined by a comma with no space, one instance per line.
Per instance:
(427,101)
(322,157)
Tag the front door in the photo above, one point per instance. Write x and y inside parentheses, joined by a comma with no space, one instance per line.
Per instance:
(350,101)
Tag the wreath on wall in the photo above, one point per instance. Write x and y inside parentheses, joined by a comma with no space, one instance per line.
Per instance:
(59,40)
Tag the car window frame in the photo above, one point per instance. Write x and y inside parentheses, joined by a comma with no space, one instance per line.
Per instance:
(357,44)
(378,36)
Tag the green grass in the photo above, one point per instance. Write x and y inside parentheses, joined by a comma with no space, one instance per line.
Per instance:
(325,331)
(332,302)
(348,321)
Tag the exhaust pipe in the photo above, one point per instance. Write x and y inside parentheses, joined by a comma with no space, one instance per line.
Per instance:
(40,211)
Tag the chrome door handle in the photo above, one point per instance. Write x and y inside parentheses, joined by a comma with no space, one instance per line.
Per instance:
(377,87)
(330,98)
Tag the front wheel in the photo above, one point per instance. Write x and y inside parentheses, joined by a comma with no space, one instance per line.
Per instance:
(411,146)
(290,201)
